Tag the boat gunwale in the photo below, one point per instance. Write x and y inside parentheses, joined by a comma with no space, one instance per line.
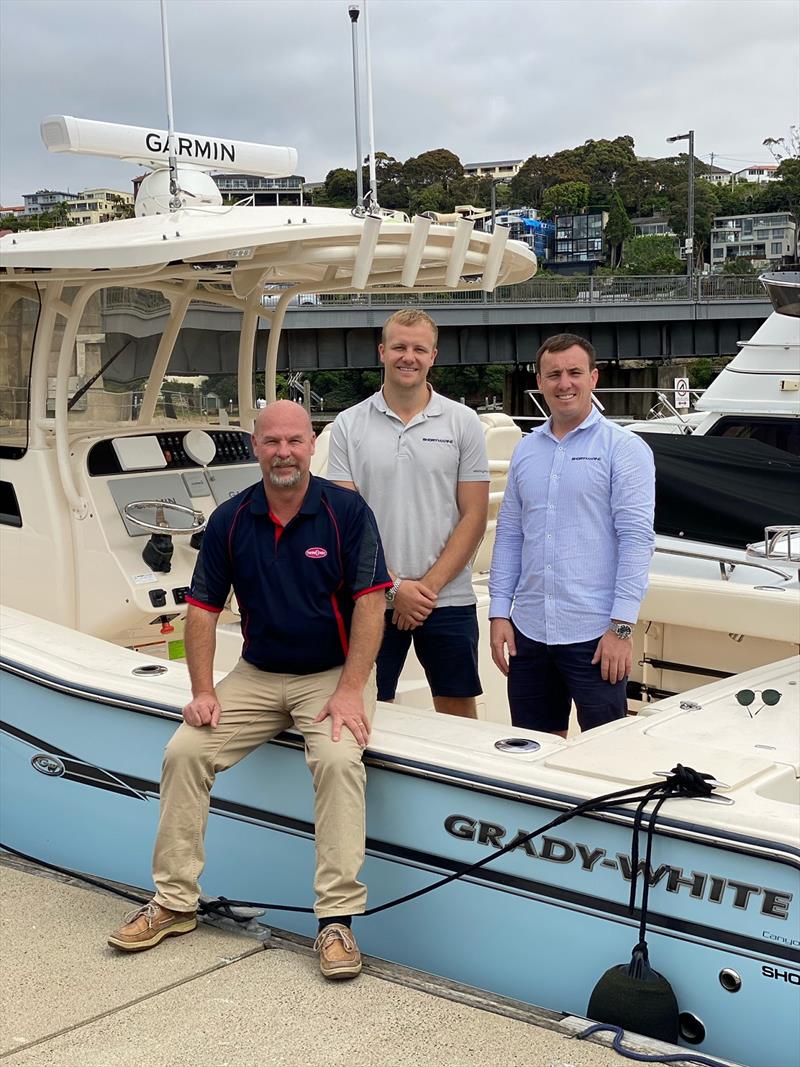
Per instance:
(724,840)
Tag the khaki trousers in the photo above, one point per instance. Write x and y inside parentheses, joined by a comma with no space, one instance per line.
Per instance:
(257,705)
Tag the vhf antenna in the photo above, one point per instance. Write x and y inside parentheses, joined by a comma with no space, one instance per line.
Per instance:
(373,182)
(354,11)
(174,188)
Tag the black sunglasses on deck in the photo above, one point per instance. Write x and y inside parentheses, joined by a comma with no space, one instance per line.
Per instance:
(746,697)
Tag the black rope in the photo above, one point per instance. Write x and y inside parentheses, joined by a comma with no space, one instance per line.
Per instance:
(644,1057)
(683,782)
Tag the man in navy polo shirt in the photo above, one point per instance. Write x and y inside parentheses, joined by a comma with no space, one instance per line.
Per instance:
(305,561)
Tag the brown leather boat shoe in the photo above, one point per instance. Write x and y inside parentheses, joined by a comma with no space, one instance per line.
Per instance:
(338,952)
(149,925)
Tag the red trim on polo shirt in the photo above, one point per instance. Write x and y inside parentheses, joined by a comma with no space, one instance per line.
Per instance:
(340,624)
(329,510)
(372,589)
(199,604)
(235,519)
(279,527)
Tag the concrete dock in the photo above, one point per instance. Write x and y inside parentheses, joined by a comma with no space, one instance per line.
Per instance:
(216,998)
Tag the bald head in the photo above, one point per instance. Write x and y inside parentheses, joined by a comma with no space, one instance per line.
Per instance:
(283,412)
(283,443)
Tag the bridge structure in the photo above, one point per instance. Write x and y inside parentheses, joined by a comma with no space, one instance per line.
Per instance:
(652,319)
(659,321)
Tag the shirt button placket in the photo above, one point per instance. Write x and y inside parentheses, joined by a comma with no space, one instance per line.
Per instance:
(550,545)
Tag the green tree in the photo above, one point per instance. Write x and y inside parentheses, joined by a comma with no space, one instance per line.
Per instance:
(567,198)
(389,176)
(651,255)
(433,197)
(123,209)
(340,187)
(782,148)
(618,229)
(738,265)
(438,166)
(530,181)
(706,207)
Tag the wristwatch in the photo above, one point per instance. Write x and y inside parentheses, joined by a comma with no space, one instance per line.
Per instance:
(392,593)
(621,629)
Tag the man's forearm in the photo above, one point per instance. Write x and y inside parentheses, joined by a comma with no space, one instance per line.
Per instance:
(366,634)
(201,642)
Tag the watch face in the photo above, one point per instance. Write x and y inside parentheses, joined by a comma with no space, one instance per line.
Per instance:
(622,630)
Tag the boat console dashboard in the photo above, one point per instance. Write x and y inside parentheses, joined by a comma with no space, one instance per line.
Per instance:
(138,484)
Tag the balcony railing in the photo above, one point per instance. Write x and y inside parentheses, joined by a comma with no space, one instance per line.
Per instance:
(663,289)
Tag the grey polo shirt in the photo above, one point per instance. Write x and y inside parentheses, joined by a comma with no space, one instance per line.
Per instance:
(409,476)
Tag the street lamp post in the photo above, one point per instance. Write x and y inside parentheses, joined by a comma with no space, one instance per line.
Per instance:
(690,208)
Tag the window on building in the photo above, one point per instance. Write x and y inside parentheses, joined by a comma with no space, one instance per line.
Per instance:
(775,248)
(718,253)
(777,233)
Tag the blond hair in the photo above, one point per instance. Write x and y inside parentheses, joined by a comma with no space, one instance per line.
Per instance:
(410,317)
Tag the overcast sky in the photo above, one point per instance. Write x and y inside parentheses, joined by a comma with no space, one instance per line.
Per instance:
(501,79)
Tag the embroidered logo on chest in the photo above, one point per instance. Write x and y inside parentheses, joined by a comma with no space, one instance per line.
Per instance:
(316,553)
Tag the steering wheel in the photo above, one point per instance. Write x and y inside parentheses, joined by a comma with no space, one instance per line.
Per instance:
(197,517)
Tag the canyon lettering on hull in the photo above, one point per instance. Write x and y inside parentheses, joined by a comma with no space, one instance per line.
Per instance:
(193,148)
(699,885)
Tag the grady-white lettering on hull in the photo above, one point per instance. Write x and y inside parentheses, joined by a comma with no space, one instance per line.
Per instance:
(701,886)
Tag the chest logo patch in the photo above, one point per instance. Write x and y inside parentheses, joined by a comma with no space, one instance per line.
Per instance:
(316,553)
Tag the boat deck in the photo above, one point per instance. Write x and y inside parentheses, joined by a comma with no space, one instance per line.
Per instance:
(217,999)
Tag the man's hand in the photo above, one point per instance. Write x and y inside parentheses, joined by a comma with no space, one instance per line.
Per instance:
(203,710)
(615,656)
(501,636)
(346,708)
(414,601)
(404,622)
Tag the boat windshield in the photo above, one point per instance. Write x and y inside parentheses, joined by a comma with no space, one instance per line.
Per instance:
(115,354)
(18,324)
(783,290)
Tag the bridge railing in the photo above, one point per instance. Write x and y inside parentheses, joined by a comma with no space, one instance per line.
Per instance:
(611,289)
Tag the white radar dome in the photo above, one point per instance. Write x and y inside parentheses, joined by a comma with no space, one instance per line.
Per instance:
(196,189)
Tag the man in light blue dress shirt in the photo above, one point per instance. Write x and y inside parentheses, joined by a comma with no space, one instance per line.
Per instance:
(572,552)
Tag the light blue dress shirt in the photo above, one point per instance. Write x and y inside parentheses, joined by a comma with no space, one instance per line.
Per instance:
(575,532)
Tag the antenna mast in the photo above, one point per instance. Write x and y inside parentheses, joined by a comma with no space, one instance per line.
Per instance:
(174,188)
(373,181)
(354,11)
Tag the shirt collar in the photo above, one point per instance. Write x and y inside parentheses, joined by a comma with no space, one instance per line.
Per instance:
(433,407)
(547,427)
(311,501)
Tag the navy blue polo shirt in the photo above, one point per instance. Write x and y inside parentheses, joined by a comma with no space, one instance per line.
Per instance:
(296,584)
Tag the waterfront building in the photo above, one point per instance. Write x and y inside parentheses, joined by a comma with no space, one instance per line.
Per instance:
(44,200)
(499,168)
(580,242)
(717,176)
(764,239)
(756,172)
(525,225)
(270,192)
(97,205)
(652,226)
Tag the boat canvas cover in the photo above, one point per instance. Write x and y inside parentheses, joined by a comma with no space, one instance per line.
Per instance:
(722,490)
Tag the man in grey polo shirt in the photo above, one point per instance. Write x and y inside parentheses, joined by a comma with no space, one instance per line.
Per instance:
(419,460)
